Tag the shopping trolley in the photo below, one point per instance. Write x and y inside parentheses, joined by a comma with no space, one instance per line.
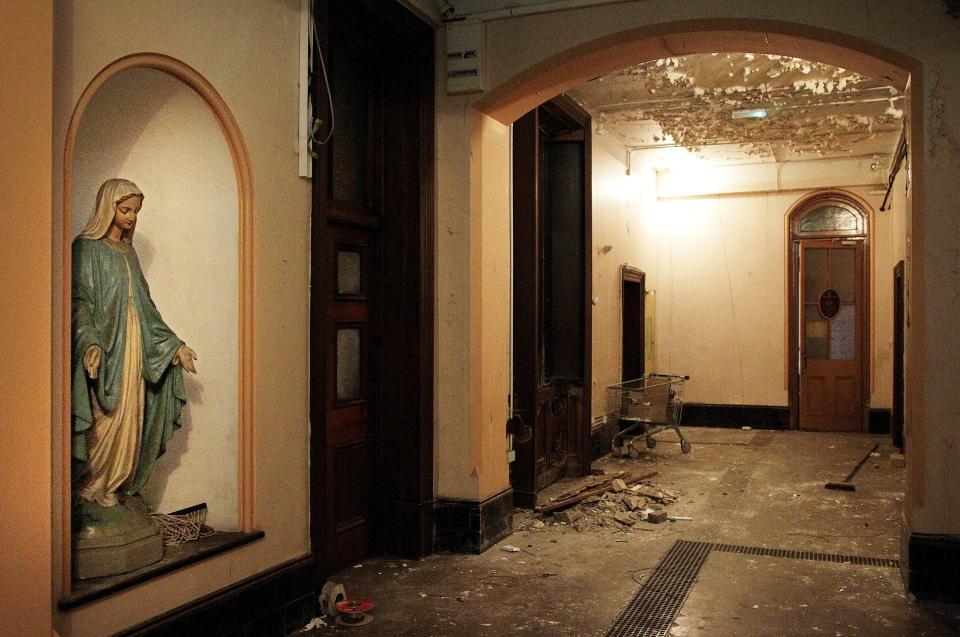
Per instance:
(647,405)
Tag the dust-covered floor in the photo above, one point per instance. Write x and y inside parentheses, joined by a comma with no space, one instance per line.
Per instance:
(744,488)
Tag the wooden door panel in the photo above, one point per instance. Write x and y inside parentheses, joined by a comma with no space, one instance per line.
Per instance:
(348,388)
(817,397)
(349,469)
(848,396)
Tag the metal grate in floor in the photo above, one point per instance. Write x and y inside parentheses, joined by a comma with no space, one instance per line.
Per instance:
(807,555)
(652,609)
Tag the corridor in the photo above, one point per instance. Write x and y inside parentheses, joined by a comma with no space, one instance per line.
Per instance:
(758,489)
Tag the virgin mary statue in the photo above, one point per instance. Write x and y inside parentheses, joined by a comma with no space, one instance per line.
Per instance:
(127,363)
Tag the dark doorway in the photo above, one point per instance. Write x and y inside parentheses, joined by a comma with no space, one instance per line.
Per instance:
(371,342)
(897,412)
(551,295)
(633,322)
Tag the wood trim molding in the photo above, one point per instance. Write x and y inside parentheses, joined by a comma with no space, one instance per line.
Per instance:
(243,169)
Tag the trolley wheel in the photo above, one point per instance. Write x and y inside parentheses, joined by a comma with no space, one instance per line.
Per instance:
(685,446)
(651,442)
(634,453)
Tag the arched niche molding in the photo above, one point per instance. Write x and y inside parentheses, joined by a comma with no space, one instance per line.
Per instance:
(242,169)
(540,81)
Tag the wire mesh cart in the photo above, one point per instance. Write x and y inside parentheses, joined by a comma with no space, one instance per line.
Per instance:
(647,406)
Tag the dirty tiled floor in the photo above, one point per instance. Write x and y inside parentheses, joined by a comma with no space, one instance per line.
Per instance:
(752,488)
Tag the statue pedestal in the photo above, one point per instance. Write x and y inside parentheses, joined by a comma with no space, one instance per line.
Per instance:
(114,540)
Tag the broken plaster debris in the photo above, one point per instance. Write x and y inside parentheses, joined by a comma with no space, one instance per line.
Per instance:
(316,622)
(808,107)
(620,507)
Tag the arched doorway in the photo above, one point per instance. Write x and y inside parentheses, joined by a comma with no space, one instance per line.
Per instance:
(489,201)
(828,318)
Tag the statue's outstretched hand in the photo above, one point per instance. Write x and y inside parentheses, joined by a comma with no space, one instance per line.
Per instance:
(91,360)
(185,357)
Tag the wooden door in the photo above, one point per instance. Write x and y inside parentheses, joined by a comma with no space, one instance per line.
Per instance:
(349,389)
(551,326)
(371,299)
(831,335)
(633,323)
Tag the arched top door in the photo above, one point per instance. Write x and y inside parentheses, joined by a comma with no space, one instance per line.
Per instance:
(829,276)
(828,215)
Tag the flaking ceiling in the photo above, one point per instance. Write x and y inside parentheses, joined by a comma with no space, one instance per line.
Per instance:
(813,110)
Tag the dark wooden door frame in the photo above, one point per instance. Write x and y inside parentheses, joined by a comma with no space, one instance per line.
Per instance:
(563,119)
(897,412)
(401,449)
(793,279)
(631,275)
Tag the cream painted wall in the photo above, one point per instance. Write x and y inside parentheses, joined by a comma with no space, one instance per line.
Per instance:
(618,204)
(26,349)
(151,128)
(918,30)
(249,52)
(718,255)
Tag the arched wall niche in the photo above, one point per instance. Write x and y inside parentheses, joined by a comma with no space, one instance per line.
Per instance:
(489,156)
(155,120)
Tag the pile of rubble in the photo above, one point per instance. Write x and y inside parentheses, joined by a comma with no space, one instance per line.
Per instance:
(615,502)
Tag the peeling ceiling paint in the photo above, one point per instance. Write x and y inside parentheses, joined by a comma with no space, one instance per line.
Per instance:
(812,110)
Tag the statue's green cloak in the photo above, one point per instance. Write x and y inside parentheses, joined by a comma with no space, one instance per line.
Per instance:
(100,285)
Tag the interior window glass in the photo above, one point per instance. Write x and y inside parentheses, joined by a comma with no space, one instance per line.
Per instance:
(815,332)
(349,78)
(348,363)
(349,272)
(843,334)
(815,273)
(828,218)
(843,273)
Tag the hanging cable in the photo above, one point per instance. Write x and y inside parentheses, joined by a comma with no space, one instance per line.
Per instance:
(317,122)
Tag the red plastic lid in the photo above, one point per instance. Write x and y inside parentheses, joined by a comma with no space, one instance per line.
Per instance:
(354,606)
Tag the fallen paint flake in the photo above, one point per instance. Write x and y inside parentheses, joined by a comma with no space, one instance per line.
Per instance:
(510,548)
(316,622)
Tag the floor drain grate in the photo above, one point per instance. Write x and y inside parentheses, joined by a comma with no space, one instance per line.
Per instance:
(652,609)
(807,555)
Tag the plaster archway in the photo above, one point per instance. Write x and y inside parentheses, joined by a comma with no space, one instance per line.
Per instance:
(489,167)
(242,168)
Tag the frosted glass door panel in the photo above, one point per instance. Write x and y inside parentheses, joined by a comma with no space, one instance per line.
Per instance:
(349,348)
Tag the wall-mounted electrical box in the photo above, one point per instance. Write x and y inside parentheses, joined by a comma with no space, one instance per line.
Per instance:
(465,57)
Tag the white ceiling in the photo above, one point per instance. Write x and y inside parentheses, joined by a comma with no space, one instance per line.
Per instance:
(813,110)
